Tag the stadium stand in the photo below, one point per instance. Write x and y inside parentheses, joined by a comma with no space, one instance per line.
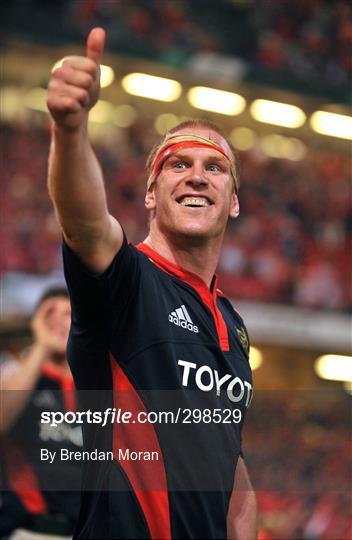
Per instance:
(302,45)
(299,464)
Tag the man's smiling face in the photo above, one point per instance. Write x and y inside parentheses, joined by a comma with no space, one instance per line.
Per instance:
(193,195)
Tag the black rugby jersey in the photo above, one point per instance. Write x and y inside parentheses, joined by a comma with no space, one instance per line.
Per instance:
(33,488)
(155,335)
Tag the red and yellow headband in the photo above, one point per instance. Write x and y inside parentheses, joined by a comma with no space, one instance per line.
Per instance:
(179,142)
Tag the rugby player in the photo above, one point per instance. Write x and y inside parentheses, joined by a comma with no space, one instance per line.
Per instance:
(149,320)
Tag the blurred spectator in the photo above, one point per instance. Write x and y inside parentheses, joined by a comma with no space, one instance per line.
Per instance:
(298,452)
(39,496)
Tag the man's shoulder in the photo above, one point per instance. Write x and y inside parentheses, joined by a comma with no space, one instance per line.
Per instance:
(228,305)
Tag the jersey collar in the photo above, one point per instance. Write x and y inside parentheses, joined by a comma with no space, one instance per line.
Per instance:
(181,273)
(207,295)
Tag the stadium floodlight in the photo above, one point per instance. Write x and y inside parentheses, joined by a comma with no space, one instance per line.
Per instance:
(279,146)
(107,74)
(334,367)
(348,387)
(151,87)
(243,138)
(102,112)
(124,116)
(36,99)
(278,114)
(293,149)
(164,122)
(272,145)
(58,64)
(11,101)
(219,101)
(332,124)
(255,358)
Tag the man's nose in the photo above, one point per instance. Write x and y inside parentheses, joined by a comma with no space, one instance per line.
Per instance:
(197,176)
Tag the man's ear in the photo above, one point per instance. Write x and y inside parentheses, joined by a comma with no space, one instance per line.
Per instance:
(149,200)
(235,206)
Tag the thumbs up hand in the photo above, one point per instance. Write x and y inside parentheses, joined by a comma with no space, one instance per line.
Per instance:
(75,86)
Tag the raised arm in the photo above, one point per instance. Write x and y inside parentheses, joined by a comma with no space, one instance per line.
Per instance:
(75,180)
(17,387)
(242,514)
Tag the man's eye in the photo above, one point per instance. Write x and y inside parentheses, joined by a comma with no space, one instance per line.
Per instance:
(180,165)
(214,168)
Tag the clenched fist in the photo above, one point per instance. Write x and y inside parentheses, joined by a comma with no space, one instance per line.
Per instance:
(74,87)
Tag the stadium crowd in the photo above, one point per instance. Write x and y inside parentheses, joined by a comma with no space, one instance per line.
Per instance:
(307,41)
(298,452)
(289,245)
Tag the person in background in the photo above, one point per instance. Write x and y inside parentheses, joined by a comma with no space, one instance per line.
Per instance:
(38,496)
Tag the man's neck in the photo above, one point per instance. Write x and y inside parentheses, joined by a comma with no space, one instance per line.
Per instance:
(192,254)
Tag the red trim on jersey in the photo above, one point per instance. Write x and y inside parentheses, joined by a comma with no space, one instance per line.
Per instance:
(65,381)
(22,480)
(208,297)
(148,478)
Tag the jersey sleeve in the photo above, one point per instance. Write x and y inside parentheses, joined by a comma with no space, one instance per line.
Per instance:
(96,299)
(92,295)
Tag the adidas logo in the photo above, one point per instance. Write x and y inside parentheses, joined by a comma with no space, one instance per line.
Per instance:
(181,317)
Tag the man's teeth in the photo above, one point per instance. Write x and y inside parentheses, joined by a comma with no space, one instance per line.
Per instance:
(194,201)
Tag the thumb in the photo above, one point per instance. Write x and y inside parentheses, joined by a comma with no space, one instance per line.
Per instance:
(95,44)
